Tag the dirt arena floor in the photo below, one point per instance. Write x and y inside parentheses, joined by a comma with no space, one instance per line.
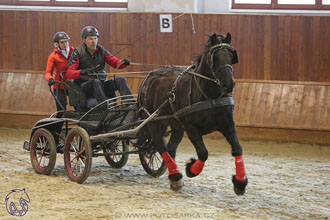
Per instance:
(286,181)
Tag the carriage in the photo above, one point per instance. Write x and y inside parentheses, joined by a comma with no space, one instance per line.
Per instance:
(79,135)
(171,101)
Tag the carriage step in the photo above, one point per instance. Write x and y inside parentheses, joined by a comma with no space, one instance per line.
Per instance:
(26,145)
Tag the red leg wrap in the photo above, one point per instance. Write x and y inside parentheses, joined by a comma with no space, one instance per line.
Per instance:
(170,163)
(197,167)
(240,168)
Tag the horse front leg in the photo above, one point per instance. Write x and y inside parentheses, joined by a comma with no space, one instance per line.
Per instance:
(195,167)
(174,174)
(239,180)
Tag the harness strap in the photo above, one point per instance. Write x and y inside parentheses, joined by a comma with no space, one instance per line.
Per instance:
(200,89)
(171,94)
(205,77)
(199,106)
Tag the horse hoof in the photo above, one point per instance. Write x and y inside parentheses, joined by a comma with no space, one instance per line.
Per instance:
(188,168)
(239,186)
(176,185)
(176,182)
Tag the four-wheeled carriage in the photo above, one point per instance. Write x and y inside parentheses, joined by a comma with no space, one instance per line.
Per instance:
(197,102)
(77,136)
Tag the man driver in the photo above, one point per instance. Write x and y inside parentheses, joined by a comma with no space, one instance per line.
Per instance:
(90,57)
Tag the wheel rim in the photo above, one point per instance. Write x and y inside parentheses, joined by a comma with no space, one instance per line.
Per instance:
(75,155)
(41,152)
(152,160)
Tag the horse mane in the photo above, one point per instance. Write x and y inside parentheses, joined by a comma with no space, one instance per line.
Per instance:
(207,46)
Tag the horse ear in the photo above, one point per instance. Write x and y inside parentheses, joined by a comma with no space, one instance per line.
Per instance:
(213,38)
(235,57)
(228,38)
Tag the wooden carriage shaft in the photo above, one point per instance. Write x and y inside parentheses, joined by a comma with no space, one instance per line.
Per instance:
(126,132)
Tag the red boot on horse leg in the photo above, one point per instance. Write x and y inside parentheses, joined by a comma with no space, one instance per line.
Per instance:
(239,180)
(194,167)
(174,174)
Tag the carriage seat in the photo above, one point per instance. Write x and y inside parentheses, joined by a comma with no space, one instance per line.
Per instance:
(78,99)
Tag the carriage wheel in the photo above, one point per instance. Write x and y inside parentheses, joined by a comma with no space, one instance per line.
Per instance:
(151,160)
(43,151)
(116,161)
(78,155)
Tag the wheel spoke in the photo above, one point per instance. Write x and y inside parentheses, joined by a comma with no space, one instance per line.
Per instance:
(78,143)
(155,159)
(82,162)
(82,151)
(151,164)
(158,160)
(40,158)
(74,145)
(71,161)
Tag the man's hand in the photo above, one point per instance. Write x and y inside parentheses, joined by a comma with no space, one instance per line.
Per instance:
(126,62)
(86,71)
(51,82)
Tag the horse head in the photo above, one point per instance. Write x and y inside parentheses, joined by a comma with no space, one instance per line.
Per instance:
(217,60)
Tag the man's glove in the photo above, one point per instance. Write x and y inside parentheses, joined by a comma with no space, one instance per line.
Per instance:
(126,62)
(51,82)
(86,71)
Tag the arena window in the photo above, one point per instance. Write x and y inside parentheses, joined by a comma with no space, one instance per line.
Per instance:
(69,3)
(282,4)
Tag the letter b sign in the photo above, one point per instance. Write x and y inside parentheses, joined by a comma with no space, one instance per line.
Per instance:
(165,23)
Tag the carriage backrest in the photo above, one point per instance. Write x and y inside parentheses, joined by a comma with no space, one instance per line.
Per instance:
(77,97)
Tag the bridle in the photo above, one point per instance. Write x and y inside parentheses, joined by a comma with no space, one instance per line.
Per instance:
(210,55)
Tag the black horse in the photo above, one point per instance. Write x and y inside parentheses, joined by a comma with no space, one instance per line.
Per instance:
(198,102)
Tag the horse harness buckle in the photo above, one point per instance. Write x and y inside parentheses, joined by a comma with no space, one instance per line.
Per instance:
(171,97)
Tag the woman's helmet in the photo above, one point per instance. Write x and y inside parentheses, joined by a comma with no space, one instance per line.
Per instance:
(89,31)
(60,36)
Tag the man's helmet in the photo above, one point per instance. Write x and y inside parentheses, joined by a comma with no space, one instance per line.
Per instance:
(89,31)
(60,36)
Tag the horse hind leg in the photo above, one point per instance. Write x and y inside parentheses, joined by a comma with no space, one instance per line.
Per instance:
(175,139)
(195,167)
(239,180)
(174,174)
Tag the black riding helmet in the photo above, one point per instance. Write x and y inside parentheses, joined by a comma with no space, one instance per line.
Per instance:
(89,31)
(60,36)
